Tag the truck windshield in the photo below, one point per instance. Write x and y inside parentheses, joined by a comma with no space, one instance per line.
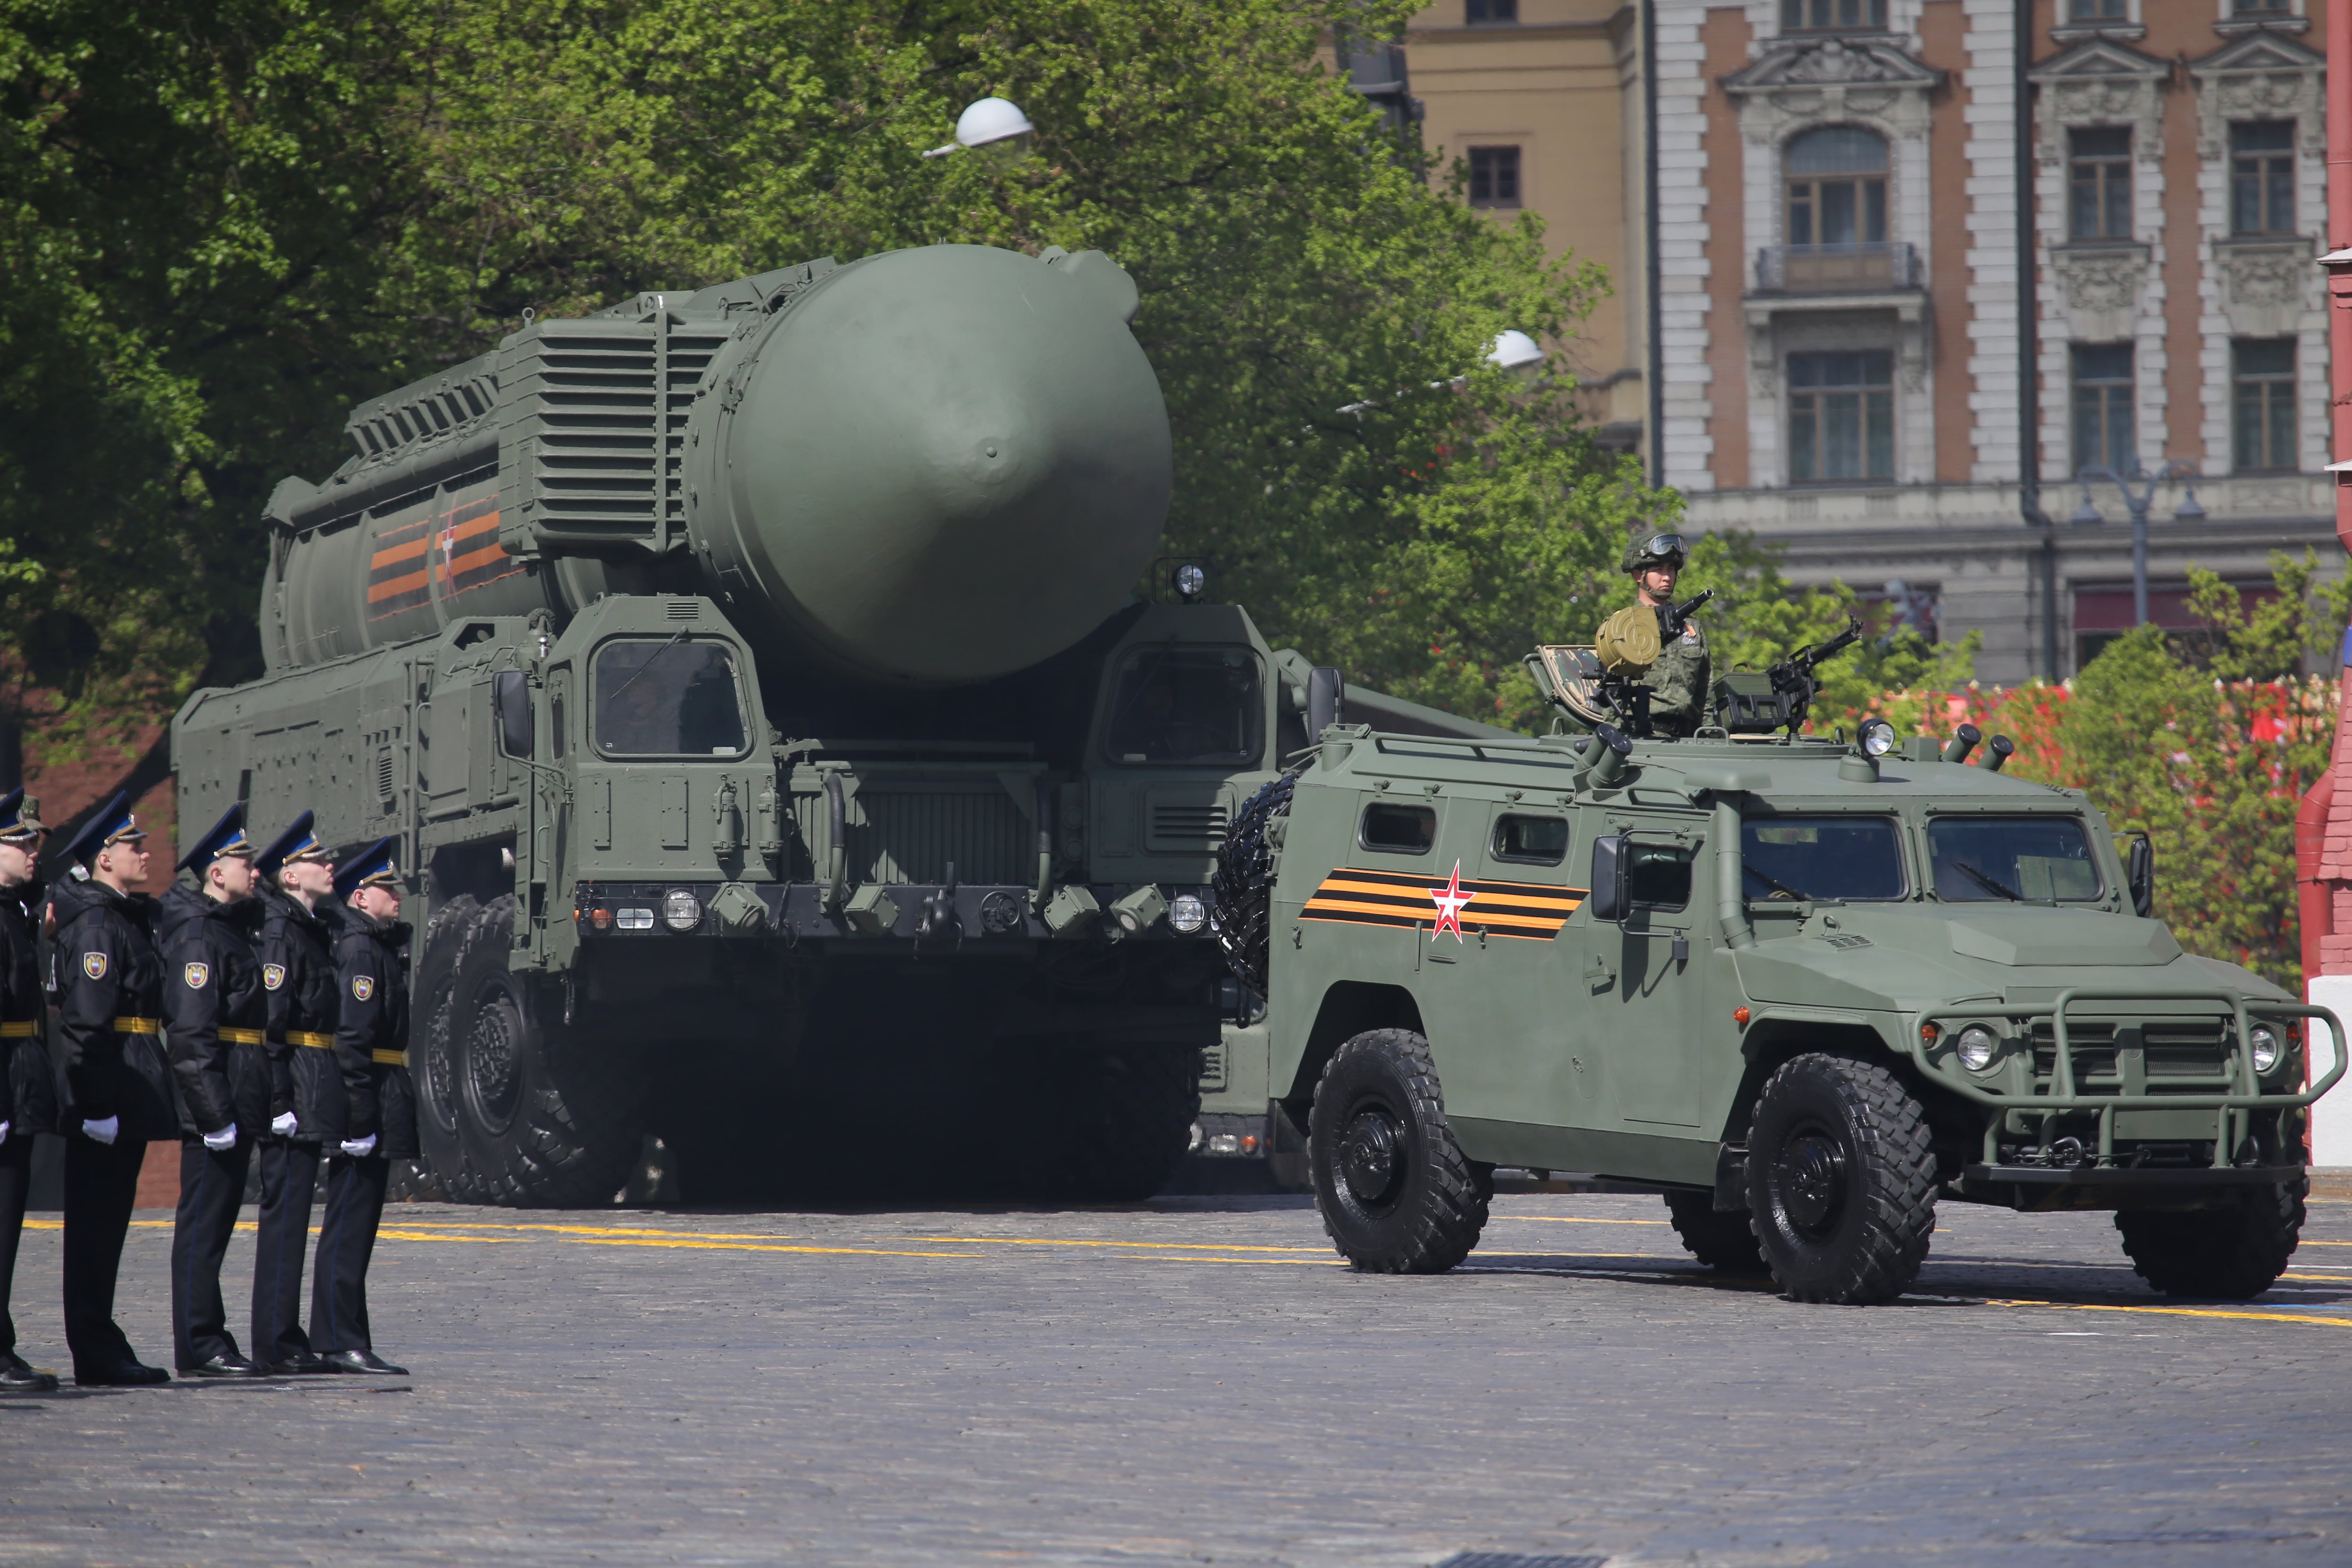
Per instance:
(2017,859)
(1187,705)
(1820,858)
(673,698)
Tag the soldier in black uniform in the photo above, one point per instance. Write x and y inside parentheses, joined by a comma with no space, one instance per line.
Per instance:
(110,983)
(213,1015)
(379,1107)
(28,1097)
(297,977)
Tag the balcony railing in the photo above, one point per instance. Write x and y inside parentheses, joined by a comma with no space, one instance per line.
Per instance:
(1879,269)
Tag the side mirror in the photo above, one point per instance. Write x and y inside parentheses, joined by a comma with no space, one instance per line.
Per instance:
(510,703)
(1612,877)
(2140,867)
(1326,700)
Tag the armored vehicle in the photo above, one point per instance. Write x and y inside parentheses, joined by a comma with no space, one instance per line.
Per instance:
(1804,988)
(783,763)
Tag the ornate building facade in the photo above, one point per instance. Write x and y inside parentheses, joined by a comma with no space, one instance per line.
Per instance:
(1895,275)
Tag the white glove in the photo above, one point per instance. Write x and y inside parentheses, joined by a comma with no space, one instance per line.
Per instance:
(359,1147)
(282,1124)
(102,1132)
(4,1133)
(221,1141)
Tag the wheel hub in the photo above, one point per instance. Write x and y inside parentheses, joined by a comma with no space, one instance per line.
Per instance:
(490,1059)
(1372,1156)
(1811,1169)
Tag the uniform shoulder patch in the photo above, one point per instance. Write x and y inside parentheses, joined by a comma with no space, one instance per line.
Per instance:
(362,986)
(94,965)
(273,975)
(196,974)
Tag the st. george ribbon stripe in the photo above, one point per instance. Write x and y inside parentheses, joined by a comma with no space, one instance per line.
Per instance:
(1398,899)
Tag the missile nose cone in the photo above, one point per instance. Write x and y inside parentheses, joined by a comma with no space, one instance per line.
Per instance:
(949,463)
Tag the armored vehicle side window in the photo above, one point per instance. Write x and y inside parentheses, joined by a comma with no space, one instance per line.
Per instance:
(1400,829)
(1991,859)
(1661,876)
(667,699)
(1820,858)
(1187,705)
(1531,840)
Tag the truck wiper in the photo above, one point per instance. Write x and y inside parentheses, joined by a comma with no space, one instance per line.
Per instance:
(651,658)
(1772,882)
(1996,886)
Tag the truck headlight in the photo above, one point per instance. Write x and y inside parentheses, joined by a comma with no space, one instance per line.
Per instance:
(682,911)
(2266,1047)
(1877,737)
(1187,913)
(1976,1046)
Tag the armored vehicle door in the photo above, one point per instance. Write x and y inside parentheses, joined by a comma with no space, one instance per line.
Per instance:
(1635,1029)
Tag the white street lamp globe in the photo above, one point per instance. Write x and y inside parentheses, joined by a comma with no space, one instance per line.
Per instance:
(1513,350)
(991,120)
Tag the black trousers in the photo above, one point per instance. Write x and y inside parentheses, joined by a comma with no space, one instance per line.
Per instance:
(289,1174)
(102,1182)
(15,1178)
(211,1187)
(355,1188)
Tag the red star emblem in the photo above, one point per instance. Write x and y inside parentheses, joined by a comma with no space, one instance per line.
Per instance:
(1450,901)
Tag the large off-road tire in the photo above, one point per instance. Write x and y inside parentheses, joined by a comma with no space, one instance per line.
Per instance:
(1395,1191)
(541,1119)
(1840,1181)
(1244,883)
(1128,1114)
(2230,1254)
(432,1065)
(1721,1241)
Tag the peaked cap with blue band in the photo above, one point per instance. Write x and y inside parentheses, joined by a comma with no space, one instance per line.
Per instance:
(372,867)
(20,816)
(223,839)
(110,825)
(297,843)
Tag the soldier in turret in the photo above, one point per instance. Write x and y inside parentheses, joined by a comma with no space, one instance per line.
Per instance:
(378,1121)
(110,983)
(297,977)
(27,1093)
(1681,677)
(213,1011)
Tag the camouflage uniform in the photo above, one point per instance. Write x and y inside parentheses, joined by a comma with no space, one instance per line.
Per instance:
(1682,681)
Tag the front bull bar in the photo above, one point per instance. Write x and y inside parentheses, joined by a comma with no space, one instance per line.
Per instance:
(2226,1107)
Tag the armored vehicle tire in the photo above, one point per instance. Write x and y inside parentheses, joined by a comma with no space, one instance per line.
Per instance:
(1243,885)
(1724,1241)
(1395,1191)
(437,1124)
(2231,1254)
(539,1117)
(1840,1181)
(1128,1115)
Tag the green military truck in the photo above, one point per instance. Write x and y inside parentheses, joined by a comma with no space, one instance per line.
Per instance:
(781,760)
(1803,987)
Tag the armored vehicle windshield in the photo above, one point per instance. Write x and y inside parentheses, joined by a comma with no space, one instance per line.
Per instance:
(2023,859)
(1822,857)
(673,699)
(1190,705)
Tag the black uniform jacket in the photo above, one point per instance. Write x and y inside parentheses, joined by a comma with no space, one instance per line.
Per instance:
(106,972)
(297,977)
(214,1012)
(372,1034)
(28,1093)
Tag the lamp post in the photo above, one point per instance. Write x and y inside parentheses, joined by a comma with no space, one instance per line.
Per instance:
(2138,503)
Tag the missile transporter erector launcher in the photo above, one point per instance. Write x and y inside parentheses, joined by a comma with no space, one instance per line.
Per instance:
(781,766)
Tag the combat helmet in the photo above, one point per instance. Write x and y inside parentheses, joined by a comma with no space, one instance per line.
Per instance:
(1657,550)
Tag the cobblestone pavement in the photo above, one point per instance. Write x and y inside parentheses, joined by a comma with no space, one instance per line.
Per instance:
(1197,1380)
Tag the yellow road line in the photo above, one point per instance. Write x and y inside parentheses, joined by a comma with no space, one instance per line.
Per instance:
(1579,1219)
(690,1245)
(2180,1312)
(1072,1241)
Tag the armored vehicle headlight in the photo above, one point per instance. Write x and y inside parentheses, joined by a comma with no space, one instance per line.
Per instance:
(1190,580)
(1877,737)
(682,911)
(2266,1047)
(1976,1046)
(1187,913)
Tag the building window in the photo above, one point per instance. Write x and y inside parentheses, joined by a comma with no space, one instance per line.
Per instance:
(1837,189)
(2102,407)
(2099,182)
(1832,15)
(2263,377)
(1486,13)
(1494,177)
(1840,416)
(2261,177)
(2259,7)
(2096,11)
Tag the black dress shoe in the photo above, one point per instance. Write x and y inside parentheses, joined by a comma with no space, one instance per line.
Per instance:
(303,1365)
(362,1361)
(16,1377)
(227,1364)
(122,1375)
